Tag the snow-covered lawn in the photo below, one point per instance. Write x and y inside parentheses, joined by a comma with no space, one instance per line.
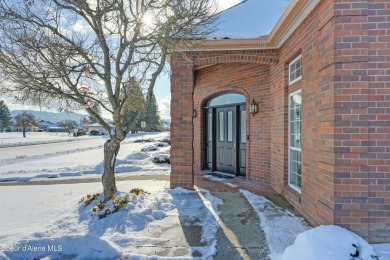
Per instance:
(16,138)
(50,221)
(80,158)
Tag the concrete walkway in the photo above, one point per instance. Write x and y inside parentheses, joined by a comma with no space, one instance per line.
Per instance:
(239,235)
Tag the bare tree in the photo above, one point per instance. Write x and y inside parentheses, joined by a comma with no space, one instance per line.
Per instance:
(68,124)
(25,120)
(69,54)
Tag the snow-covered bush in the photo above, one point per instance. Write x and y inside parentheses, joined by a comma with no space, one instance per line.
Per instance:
(138,191)
(329,242)
(117,202)
(149,148)
(162,158)
(166,139)
(149,140)
(162,144)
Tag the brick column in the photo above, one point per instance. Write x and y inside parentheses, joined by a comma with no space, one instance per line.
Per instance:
(182,133)
(350,102)
(362,187)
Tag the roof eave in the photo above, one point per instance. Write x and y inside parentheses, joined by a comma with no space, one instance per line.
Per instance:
(291,18)
(295,13)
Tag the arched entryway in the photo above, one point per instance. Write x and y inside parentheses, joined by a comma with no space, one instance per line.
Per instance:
(225,134)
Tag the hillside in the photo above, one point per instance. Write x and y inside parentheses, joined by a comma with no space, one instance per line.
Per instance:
(50,116)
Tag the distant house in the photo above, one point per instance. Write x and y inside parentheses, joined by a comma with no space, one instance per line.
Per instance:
(304,109)
(45,124)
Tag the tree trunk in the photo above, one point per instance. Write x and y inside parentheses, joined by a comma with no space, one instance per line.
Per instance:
(24,132)
(111,149)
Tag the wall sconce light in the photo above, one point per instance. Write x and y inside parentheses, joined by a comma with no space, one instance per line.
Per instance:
(253,107)
(195,113)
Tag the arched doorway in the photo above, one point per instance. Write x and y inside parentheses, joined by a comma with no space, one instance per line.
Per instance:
(225,134)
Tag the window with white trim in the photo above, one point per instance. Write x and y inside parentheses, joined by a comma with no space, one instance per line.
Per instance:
(295,137)
(295,70)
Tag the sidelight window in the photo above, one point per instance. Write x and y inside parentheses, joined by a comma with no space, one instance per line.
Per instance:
(295,137)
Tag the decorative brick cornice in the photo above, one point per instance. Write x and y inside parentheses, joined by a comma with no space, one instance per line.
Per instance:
(235,58)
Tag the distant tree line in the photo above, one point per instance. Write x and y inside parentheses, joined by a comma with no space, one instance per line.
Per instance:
(135,112)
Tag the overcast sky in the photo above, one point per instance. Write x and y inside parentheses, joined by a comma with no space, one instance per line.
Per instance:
(162,89)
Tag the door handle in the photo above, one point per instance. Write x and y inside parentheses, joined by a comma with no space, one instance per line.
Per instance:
(234,147)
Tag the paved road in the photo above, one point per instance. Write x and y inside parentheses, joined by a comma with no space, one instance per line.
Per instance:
(86,180)
(40,149)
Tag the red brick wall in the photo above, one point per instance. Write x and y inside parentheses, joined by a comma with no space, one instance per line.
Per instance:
(345,46)
(252,80)
(345,116)
(362,103)
(314,40)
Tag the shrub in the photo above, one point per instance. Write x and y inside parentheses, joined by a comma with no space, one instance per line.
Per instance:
(145,140)
(102,209)
(117,205)
(166,141)
(87,200)
(138,191)
(162,158)
(159,160)
(149,148)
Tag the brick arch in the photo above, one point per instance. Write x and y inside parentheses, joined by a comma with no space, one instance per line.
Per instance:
(235,58)
(215,92)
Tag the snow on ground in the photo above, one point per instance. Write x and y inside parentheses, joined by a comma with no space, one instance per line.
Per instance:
(290,238)
(79,159)
(329,242)
(383,250)
(51,218)
(16,138)
(220,179)
(49,221)
(280,226)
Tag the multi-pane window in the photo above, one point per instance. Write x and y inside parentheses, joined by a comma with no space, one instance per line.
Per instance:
(295,70)
(295,137)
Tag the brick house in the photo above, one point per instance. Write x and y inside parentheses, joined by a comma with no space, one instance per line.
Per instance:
(321,136)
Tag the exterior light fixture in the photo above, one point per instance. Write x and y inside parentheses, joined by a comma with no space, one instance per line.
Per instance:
(253,107)
(195,113)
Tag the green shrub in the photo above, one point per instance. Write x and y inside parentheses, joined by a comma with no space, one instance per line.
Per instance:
(158,160)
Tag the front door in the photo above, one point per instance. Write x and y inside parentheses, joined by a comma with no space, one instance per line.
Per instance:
(225,145)
(225,134)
